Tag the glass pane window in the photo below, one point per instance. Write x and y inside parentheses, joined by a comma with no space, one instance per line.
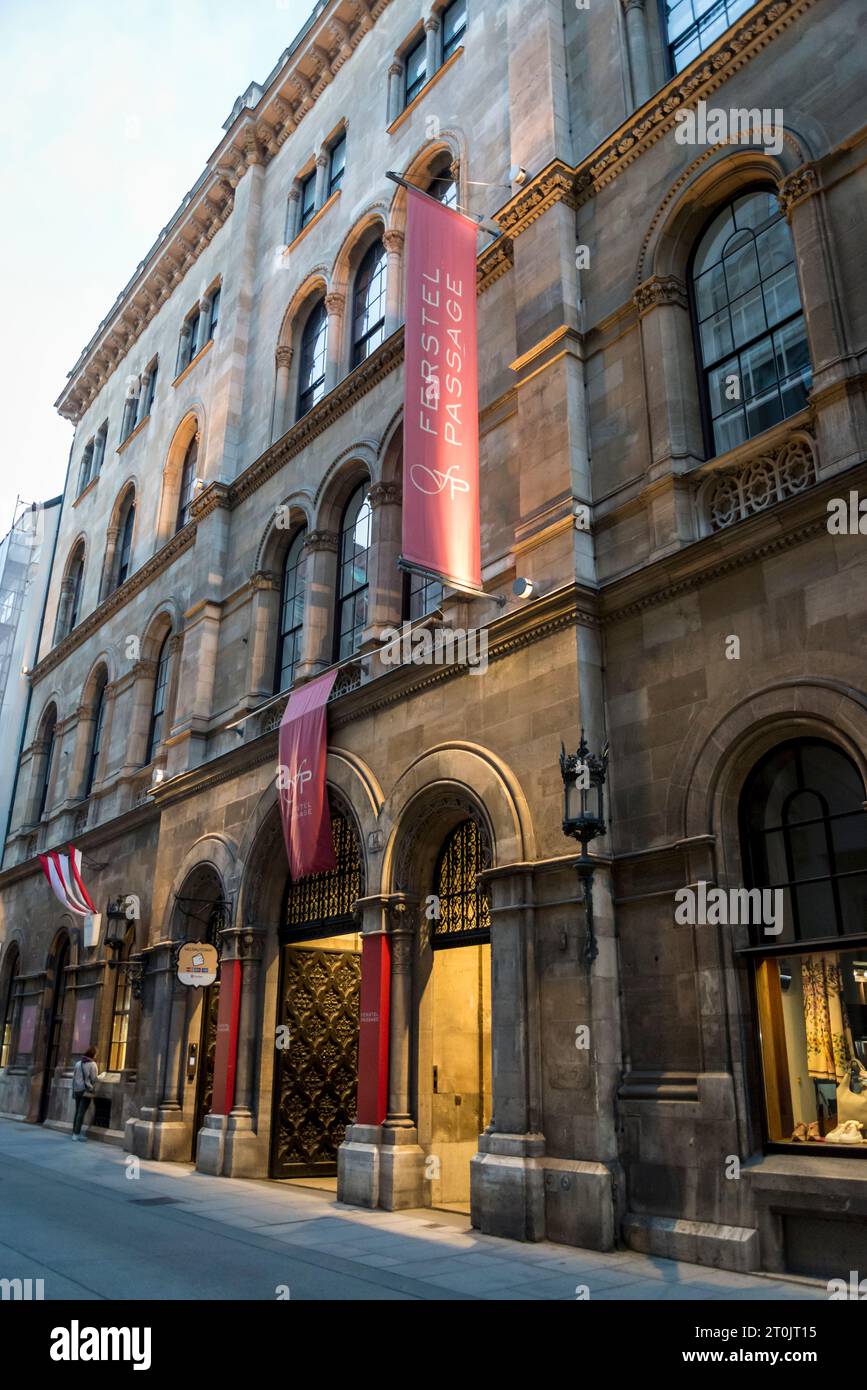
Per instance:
(291,614)
(416,71)
(804,832)
(121,1010)
(7,1019)
(368,307)
(353,576)
(338,165)
(125,548)
(694,24)
(215,310)
(50,737)
(96,739)
(421,596)
(308,199)
(188,480)
(314,349)
(160,698)
(77,580)
(750,326)
(454,27)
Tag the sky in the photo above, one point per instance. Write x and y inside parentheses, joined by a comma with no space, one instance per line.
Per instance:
(109,110)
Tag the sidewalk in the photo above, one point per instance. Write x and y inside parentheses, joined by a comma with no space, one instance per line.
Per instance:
(71,1214)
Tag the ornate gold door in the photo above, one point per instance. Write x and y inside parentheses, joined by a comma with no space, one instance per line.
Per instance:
(207,1054)
(317,1059)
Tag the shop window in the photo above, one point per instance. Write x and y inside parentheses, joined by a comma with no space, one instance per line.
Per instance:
(11,1004)
(750,330)
(291,614)
(804,834)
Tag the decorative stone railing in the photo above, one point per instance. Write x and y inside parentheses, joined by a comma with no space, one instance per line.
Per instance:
(748,486)
(349,678)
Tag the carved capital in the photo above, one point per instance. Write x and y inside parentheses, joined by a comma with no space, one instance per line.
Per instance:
(802,184)
(283,356)
(384,495)
(432,25)
(633,5)
(144,670)
(396,69)
(659,289)
(321,540)
(393,242)
(335,304)
(264,581)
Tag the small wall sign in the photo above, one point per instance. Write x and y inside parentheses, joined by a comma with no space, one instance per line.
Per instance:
(197,964)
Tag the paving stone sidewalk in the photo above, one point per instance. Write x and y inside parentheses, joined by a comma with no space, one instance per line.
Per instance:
(69,1213)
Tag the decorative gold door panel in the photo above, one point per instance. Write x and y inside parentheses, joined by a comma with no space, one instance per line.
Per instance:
(317,1061)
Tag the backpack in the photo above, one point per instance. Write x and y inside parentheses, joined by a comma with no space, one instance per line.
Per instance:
(79,1084)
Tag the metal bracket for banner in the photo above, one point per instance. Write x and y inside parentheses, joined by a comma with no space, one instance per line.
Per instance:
(468,589)
(485,224)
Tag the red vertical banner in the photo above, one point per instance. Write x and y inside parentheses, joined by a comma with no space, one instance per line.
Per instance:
(441,395)
(373,1030)
(303,751)
(226,1053)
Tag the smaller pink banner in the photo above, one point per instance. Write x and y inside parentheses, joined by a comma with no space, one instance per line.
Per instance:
(26,1029)
(301,779)
(82,1027)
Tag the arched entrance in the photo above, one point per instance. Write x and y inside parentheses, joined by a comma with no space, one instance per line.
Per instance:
(318,1013)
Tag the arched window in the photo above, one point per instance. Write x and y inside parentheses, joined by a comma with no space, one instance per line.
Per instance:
(804,845)
(327,899)
(749,323)
(464,905)
(76,575)
(352,582)
(124,558)
(49,736)
(804,831)
(291,614)
(96,738)
(160,700)
(314,345)
(58,1010)
(442,184)
(368,304)
(188,479)
(121,1007)
(10,1006)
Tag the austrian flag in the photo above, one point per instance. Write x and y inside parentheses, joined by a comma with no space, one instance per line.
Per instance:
(64,874)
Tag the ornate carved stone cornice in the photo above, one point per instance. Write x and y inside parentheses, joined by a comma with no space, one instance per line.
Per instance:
(495,261)
(254,137)
(214,496)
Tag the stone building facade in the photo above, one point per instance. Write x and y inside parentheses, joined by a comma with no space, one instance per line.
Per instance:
(672,337)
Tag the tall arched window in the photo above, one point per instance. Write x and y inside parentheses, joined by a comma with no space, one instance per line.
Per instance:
(464,905)
(124,557)
(188,479)
(291,614)
(10,1004)
(314,348)
(49,736)
(156,732)
(76,575)
(96,738)
(352,582)
(442,184)
(121,1007)
(368,304)
(749,323)
(60,1000)
(804,844)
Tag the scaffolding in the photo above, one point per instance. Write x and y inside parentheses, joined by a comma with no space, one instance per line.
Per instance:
(20,553)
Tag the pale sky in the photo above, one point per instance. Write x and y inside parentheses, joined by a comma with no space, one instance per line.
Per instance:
(108,112)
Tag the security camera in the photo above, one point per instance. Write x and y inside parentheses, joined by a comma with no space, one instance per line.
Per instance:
(517,175)
(523,588)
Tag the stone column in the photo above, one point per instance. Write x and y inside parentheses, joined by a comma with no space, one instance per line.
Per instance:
(393,242)
(111,536)
(386,580)
(265,604)
(402,1160)
(395,91)
(64,606)
(335,305)
(432,46)
(293,212)
(142,397)
(186,350)
(155,1132)
(358,1158)
(639,56)
(321,192)
(204,332)
(283,358)
(99,446)
(506,1186)
(228,1144)
(320,549)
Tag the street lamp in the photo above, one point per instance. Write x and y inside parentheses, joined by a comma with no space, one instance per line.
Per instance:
(115,939)
(583,776)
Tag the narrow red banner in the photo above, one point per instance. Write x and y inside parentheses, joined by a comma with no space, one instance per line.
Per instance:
(301,779)
(441,395)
